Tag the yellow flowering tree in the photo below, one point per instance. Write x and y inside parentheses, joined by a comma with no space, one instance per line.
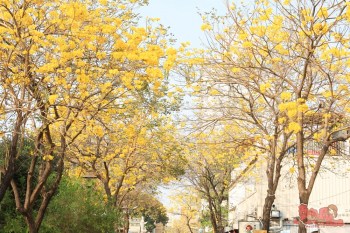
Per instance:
(65,64)
(280,69)
(214,155)
(132,151)
(127,154)
(186,209)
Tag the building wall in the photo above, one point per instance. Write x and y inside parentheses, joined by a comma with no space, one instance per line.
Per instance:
(246,200)
(159,228)
(137,225)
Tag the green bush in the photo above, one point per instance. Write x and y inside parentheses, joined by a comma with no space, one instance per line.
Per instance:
(77,207)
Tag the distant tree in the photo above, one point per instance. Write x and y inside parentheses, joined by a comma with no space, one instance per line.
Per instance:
(213,156)
(140,203)
(154,214)
(187,205)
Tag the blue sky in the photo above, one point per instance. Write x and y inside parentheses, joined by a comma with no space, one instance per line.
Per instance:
(182,16)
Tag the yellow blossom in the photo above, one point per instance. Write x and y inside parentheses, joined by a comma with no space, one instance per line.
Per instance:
(293,127)
(52,98)
(264,87)
(48,157)
(286,95)
(206,27)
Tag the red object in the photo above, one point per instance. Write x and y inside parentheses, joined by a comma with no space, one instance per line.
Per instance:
(324,217)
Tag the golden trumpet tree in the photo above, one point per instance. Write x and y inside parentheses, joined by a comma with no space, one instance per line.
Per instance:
(186,206)
(63,64)
(213,156)
(127,155)
(280,69)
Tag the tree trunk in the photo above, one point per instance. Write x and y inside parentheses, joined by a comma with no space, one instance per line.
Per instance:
(189,225)
(304,193)
(220,226)
(42,210)
(269,200)
(221,229)
(126,223)
(11,166)
(212,218)
(273,174)
(5,181)
(31,223)
(216,221)
(304,200)
(302,228)
(32,228)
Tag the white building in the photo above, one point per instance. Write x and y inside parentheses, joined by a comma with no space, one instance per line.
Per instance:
(137,225)
(332,186)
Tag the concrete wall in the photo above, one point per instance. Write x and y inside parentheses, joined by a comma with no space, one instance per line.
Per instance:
(246,199)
